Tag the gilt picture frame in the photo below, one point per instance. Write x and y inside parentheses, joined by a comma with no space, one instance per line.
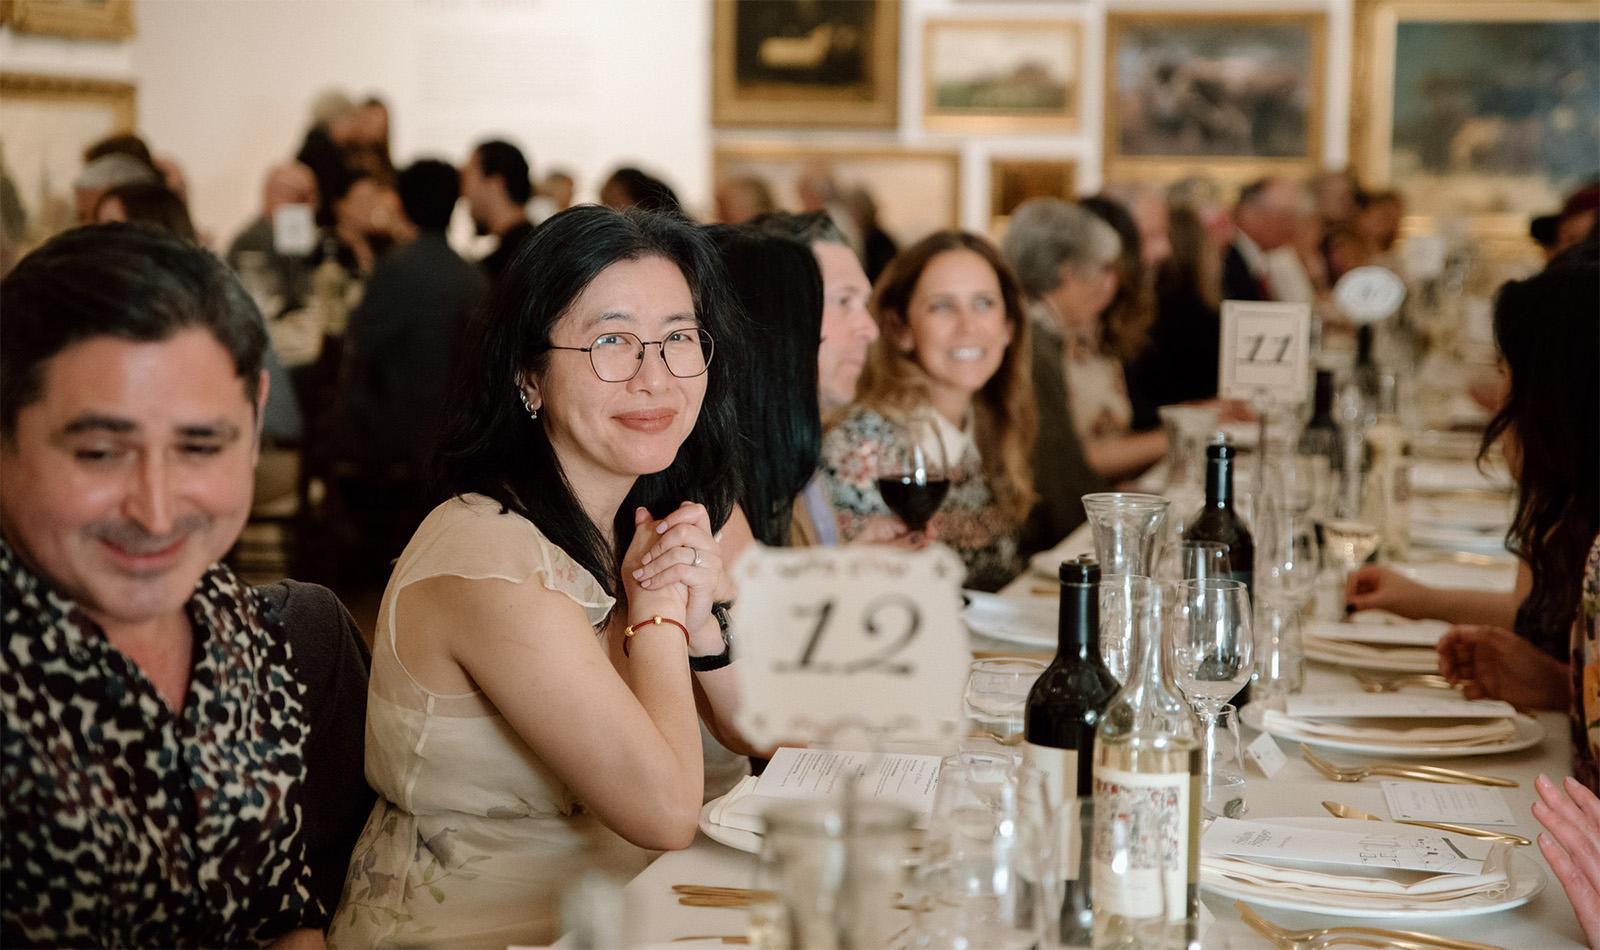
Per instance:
(1001,76)
(73,19)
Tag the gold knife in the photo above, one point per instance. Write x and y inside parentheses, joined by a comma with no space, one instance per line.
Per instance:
(1346,811)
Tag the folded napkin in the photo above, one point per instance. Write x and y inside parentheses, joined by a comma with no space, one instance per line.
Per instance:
(1380,628)
(1400,659)
(1396,732)
(1333,888)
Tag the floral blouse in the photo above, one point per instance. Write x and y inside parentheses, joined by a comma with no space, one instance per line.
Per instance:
(970,521)
(1586,677)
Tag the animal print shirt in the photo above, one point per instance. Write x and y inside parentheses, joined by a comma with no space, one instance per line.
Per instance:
(128,824)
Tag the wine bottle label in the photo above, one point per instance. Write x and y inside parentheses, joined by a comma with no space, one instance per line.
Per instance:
(1060,770)
(1141,843)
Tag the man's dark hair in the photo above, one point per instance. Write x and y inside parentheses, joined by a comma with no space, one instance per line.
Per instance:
(808,228)
(128,281)
(428,192)
(156,205)
(502,160)
(123,143)
(647,192)
(1251,193)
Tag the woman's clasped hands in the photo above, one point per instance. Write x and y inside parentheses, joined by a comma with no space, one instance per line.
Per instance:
(672,568)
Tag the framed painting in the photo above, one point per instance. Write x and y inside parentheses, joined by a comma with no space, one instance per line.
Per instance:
(1241,92)
(1015,180)
(916,190)
(76,19)
(809,63)
(999,76)
(1486,110)
(46,122)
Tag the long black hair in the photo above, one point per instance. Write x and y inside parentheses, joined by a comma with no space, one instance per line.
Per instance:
(1548,332)
(491,446)
(780,426)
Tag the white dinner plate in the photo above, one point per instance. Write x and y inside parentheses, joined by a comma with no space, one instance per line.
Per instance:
(1486,514)
(1496,577)
(1403,660)
(1529,732)
(1458,538)
(1048,563)
(1526,880)
(1031,622)
(732,837)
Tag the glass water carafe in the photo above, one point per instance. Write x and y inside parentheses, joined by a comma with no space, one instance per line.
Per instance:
(1127,530)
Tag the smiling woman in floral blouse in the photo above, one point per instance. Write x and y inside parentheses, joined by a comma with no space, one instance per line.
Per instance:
(951,355)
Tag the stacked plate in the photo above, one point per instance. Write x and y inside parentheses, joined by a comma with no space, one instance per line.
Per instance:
(1350,868)
(1398,724)
(1375,640)
(1028,622)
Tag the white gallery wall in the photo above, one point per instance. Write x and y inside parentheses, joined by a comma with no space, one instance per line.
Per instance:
(225,86)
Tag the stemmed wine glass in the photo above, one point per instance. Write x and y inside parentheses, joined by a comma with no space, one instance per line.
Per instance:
(1212,650)
(914,472)
(1349,543)
(1287,559)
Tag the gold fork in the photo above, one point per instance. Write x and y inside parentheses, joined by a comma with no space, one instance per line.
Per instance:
(1360,936)
(1421,773)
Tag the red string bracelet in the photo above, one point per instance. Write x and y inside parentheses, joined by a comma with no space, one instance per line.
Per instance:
(630,631)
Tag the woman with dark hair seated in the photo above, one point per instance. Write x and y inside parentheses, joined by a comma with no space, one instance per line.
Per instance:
(1549,428)
(778,283)
(547,635)
(146,203)
(951,357)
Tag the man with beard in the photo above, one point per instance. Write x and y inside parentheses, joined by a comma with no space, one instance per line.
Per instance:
(497,185)
(180,754)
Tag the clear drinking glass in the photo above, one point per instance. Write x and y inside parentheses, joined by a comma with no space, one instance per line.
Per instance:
(1349,544)
(997,692)
(983,881)
(1127,530)
(1188,428)
(834,871)
(1288,559)
(1280,654)
(1222,750)
(1212,651)
(1126,612)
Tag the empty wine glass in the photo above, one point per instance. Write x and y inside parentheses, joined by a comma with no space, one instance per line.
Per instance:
(1349,543)
(1203,559)
(997,692)
(914,471)
(1212,651)
(1280,655)
(1287,558)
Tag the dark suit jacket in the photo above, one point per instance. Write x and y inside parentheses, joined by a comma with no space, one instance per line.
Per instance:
(1239,282)
(331,661)
(400,349)
(1061,474)
(496,261)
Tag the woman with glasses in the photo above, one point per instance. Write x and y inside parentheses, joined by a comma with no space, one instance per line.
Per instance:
(951,363)
(547,634)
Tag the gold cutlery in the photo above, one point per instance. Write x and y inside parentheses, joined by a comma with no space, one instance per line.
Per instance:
(725,938)
(1393,683)
(702,895)
(1318,937)
(1421,773)
(1345,811)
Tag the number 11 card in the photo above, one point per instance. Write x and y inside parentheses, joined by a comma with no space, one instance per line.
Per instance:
(1265,350)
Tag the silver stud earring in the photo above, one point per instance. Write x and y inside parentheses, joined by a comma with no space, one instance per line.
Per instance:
(523,394)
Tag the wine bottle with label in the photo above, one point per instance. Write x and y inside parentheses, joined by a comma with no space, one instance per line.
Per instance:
(1147,786)
(1218,521)
(1061,717)
(1320,440)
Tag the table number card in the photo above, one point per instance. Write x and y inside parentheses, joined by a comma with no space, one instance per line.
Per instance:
(867,638)
(1265,350)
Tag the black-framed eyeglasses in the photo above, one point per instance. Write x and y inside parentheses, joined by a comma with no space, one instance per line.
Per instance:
(616,357)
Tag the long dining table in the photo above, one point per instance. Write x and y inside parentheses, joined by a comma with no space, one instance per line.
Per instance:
(655,917)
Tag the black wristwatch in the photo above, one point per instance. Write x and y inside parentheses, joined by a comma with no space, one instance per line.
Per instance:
(716,661)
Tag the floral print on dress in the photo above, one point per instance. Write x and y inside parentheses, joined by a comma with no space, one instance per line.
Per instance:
(970,521)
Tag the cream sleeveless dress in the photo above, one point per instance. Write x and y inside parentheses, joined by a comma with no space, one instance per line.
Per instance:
(473,838)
